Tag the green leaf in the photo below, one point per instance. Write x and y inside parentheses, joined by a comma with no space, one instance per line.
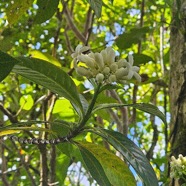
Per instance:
(127,39)
(141,59)
(132,154)
(94,167)
(115,169)
(46,10)
(26,102)
(60,127)
(6,64)
(96,5)
(51,77)
(149,108)
(16,9)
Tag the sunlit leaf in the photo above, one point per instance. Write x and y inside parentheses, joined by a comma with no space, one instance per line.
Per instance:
(64,109)
(132,154)
(26,102)
(46,10)
(9,131)
(12,130)
(115,169)
(16,9)
(51,77)
(94,167)
(6,64)
(44,56)
(149,108)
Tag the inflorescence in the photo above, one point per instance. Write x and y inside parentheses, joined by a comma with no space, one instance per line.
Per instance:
(178,167)
(103,67)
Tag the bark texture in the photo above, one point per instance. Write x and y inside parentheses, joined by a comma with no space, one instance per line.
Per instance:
(178,79)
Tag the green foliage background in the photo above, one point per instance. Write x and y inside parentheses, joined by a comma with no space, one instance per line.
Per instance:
(43,30)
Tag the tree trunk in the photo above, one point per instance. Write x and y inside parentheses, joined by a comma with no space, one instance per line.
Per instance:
(178,80)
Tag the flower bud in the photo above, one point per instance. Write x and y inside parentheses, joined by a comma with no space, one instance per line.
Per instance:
(87,60)
(121,72)
(106,70)
(91,54)
(104,56)
(99,60)
(121,63)
(112,78)
(83,71)
(113,67)
(99,78)
(110,55)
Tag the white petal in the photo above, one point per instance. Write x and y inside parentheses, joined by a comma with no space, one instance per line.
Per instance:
(130,58)
(74,55)
(126,64)
(78,48)
(130,74)
(135,68)
(83,49)
(137,76)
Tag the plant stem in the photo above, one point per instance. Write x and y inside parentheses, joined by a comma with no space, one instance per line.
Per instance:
(88,113)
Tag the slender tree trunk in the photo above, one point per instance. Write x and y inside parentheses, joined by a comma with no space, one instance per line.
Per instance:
(178,80)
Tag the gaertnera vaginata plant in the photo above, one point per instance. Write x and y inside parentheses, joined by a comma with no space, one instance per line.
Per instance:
(103,67)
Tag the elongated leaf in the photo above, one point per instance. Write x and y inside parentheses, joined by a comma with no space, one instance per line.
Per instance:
(96,5)
(7,132)
(126,39)
(46,10)
(12,130)
(94,167)
(115,169)
(6,64)
(149,108)
(141,59)
(132,154)
(51,77)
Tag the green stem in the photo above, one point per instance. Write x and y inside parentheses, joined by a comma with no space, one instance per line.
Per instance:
(88,113)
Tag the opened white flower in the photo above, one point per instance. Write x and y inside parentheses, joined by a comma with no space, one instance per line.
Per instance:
(132,70)
(78,51)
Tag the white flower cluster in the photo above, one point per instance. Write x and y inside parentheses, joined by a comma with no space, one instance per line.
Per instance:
(103,67)
(178,167)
